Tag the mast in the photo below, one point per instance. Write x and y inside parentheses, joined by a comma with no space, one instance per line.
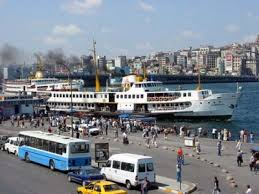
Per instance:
(199,78)
(97,82)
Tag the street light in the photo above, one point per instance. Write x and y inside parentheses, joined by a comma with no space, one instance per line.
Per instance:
(71,99)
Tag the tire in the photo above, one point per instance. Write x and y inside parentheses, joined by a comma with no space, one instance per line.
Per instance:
(52,165)
(7,151)
(128,185)
(104,177)
(79,192)
(69,178)
(27,159)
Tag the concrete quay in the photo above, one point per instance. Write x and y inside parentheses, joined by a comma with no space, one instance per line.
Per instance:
(199,169)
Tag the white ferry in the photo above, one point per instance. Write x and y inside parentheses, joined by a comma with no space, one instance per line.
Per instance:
(39,85)
(148,98)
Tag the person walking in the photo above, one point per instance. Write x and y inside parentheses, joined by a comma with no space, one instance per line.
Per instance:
(180,157)
(216,189)
(214,132)
(198,147)
(219,147)
(239,158)
(239,144)
(252,163)
(249,190)
(144,186)
(251,137)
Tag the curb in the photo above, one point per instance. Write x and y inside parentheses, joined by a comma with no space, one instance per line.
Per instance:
(192,188)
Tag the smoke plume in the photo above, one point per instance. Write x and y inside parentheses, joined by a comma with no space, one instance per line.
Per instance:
(10,55)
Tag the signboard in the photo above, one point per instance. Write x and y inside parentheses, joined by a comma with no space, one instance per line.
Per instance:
(101,152)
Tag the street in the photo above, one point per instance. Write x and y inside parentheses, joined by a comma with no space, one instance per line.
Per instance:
(19,177)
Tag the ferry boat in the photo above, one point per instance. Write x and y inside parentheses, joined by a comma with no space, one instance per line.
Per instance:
(39,85)
(149,98)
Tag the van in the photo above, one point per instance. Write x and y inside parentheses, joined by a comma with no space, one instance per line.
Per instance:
(129,169)
(11,145)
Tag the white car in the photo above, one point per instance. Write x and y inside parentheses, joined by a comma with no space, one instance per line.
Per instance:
(11,145)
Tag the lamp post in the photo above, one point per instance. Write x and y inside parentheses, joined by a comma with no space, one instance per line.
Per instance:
(71,99)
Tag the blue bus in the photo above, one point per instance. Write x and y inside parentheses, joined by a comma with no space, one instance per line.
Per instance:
(54,151)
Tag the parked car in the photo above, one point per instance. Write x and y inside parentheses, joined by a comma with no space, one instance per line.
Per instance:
(11,145)
(84,176)
(129,169)
(3,139)
(101,187)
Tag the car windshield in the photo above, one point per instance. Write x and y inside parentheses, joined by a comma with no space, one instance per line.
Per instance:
(79,148)
(112,187)
(90,171)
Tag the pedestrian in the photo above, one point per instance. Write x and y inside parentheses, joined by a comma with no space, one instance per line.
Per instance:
(251,137)
(49,129)
(198,147)
(144,186)
(239,144)
(252,163)
(125,138)
(219,147)
(147,141)
(178,173)
(214,132)
(239,158)
(249,190)
(77,134)
(106,129)
(216,189)
(180,157)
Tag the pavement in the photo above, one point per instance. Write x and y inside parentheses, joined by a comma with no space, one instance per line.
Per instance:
(199,170)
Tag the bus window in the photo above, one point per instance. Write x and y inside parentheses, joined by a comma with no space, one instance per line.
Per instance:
(79,148)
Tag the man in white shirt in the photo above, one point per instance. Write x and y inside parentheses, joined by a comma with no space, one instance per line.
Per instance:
(249,190)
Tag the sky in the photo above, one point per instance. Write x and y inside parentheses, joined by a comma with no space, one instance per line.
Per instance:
(126,27)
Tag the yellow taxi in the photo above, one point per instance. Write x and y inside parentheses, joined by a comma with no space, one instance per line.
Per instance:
(101,187)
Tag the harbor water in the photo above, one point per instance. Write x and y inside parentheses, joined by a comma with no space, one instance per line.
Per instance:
(246,115)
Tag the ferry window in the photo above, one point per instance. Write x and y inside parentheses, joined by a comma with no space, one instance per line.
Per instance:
(137,96)
(142,96)
(73,95)
(77,95)
(54,95)
(127,167)
(121,96)
(141,168)
(105,95)
(129,96)
(189,94)
(125,96)
(80,95)
(67,95)
(63,95)
(116,164)
(87,95)
(137,85)
(94,95)
(91,96)
(83,95)
(117,96)
(184,94)
(133,96)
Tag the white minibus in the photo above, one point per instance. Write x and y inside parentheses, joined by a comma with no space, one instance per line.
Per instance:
(129,169)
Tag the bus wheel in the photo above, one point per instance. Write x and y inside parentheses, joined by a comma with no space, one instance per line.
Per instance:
(52,165)
(7,151)
(27,159)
